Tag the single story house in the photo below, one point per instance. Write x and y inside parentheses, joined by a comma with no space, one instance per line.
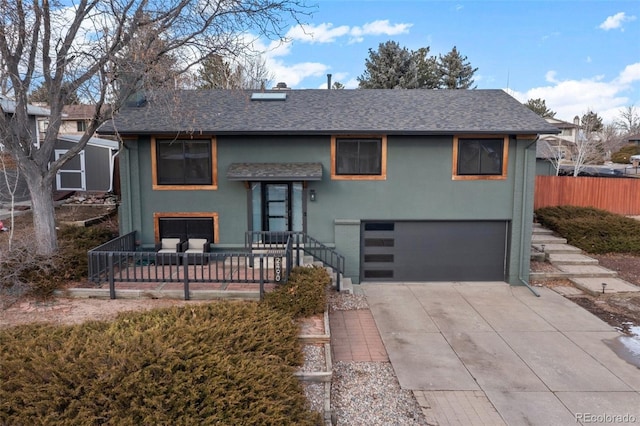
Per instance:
(408,185)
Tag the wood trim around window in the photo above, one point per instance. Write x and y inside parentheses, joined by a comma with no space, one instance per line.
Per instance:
(214,167)
(212,215)
(383,158)
(505,157)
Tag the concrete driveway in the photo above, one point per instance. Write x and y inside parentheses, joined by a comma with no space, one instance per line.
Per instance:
(490,353)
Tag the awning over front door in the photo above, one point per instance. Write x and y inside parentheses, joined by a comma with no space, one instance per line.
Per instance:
(275,171)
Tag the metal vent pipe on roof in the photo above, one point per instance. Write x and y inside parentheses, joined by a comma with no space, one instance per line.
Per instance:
(329,81)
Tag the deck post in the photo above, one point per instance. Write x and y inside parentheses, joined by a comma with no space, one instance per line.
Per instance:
(185,262)
(112,284)
(261,277)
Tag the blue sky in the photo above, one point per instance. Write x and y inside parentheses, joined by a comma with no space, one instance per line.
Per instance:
(578,55)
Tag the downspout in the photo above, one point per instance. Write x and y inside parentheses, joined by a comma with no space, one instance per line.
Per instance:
(523,218)
(112,161)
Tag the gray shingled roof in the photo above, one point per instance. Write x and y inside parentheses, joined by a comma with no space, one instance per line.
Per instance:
(331,112)
(274,171)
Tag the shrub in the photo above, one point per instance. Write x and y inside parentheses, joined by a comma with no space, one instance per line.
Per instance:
(219,363)
(23,272)
(625,153)
(592,230)
(75,242)
(304,294)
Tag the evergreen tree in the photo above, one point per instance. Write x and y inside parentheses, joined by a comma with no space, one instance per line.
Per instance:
(591,122)
(395,67)
(390,67)
(455,71)
(215,73)
(427,69)
(539,106)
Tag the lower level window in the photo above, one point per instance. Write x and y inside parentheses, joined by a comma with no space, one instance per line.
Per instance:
(183,226)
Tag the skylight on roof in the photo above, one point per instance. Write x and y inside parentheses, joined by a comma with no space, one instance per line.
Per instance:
(268,96)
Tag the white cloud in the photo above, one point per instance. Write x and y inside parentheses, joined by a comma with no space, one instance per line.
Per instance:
(569,98)
(323,33)
(615,21)
(380,27)
(294,74)
(327,33)
(630,74)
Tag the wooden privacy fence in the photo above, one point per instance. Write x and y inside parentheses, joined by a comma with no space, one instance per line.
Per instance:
(616,195)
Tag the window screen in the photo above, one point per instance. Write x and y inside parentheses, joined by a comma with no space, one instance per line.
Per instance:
(358,156)
(185,228)
(480,156)
(184,162)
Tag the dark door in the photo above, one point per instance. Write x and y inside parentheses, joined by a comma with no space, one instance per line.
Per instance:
(277,210)
(434,250)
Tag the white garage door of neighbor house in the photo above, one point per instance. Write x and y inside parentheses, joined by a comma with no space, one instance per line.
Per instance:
(71,177)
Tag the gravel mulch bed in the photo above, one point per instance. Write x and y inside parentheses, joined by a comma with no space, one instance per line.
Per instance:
(367,393)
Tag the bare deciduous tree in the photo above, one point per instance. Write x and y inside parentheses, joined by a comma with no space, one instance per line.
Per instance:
(588,147)
(217,72)
(629,120)
(78,46)
(552,153)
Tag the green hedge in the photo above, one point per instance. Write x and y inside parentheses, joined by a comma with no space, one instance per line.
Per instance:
(304,294)
(592,230)
(221,363)
(625,154)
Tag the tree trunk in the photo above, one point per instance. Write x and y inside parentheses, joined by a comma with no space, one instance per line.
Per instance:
(44,219)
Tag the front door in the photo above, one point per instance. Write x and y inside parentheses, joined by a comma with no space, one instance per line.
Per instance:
(277,207)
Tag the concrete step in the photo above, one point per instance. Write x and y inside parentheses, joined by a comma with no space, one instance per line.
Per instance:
(594,286)
(585,271)
(556,248)
(539,230)
(574,271)
(570,259)
(547,239)
(346,285)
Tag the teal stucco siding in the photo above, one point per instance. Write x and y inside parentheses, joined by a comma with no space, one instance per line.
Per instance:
(419,186)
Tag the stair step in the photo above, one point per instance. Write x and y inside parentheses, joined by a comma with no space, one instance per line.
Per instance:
(346,285)
(586,271)
(556,248)
(570,259)
(538,230)
(593,286)
(547,239)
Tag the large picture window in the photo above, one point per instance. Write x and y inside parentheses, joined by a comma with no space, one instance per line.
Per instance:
(184,163)
(358,157)
(480,157)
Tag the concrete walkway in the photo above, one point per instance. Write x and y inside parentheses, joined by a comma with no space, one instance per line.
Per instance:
(491,354)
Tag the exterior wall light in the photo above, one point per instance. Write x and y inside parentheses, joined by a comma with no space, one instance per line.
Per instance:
(312,195)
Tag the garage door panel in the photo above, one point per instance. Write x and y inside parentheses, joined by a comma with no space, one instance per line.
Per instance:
(436,251)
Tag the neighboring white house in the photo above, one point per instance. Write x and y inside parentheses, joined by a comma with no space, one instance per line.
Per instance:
(561,146)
